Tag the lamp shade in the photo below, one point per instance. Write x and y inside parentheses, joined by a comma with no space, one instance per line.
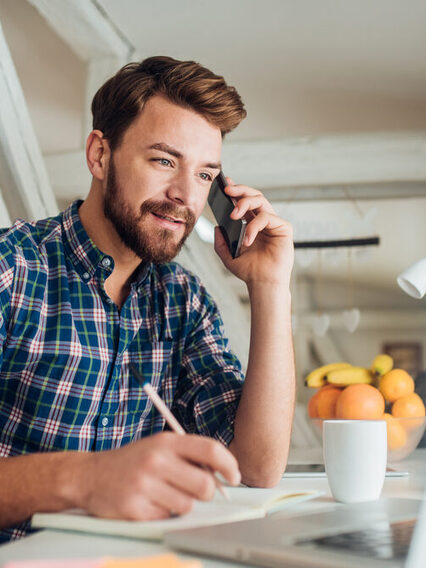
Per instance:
(413,279)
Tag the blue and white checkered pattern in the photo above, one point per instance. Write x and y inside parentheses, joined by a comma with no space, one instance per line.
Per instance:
(65,347)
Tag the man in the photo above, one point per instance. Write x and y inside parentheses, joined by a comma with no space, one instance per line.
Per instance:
(84,294)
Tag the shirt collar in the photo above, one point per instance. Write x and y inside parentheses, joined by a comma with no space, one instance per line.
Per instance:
(86,257)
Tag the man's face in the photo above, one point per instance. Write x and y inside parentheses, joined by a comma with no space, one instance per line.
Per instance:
(159,178)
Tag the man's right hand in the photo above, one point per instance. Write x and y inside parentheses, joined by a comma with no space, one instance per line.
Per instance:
(148,479)
(154,477)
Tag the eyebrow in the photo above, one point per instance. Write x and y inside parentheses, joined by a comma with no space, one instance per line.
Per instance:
(173,152)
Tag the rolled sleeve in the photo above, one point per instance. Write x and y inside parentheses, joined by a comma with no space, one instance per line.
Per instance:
(6,281)
(211,378)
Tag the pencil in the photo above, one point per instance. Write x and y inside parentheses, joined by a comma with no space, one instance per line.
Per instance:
(171,420)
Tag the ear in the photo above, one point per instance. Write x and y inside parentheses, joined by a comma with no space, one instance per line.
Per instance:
(97,154)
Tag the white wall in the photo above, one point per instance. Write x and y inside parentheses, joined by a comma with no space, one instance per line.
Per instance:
(387,316)
(52,77)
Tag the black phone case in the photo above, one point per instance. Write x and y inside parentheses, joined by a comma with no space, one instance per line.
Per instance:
(222,206)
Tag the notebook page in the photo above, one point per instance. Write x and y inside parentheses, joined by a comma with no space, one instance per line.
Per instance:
(203,514)
(268,500)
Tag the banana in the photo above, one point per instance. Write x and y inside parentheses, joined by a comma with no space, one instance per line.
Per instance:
(316,378)
(382,364)
(349,376)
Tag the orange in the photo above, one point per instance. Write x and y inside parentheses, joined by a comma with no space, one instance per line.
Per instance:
(395,384)
(360,402)
(410,406)
(326,402)
(397,435)
(312,406)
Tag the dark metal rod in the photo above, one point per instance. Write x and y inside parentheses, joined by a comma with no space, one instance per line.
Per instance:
(335,244)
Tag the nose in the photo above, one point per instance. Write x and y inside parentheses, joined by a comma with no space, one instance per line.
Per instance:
(181,188)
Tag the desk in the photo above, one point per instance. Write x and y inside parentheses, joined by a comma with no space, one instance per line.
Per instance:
(56,544)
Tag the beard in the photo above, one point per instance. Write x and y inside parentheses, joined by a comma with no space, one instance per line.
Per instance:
(155,244)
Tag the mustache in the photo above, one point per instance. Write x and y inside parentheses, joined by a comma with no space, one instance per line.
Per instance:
(169,209)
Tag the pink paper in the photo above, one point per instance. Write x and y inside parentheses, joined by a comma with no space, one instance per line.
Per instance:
(51,563)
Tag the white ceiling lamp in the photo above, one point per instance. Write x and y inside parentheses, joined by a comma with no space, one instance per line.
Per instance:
(413,279)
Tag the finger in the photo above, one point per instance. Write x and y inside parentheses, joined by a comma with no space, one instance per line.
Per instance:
(233,188)
(236,189)
(151,512)
(208,452)
(191,480)
(240,191)
(275,226)
(246,204)
(170,498)
(134,509)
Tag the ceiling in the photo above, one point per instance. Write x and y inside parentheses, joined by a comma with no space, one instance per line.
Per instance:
(303,68)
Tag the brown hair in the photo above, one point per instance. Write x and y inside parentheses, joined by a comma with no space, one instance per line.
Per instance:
(186,83)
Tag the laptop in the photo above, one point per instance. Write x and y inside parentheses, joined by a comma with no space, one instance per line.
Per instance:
(387,533)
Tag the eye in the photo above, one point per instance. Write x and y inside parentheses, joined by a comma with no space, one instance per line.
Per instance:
(162,161)
(205,176)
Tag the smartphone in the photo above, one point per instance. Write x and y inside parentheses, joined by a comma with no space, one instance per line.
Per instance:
(222,206)
(318,470)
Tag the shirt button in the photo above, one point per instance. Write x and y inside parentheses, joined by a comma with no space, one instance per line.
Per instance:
(106,262)
(104,421)
(86,276)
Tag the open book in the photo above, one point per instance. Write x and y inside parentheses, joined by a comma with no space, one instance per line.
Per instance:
(246,503)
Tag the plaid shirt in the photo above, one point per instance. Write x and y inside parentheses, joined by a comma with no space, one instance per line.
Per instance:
(65,347)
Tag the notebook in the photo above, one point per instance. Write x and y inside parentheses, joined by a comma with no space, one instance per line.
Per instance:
(246,503)
(385,533)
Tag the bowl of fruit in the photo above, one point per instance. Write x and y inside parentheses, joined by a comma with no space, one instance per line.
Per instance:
(347,392)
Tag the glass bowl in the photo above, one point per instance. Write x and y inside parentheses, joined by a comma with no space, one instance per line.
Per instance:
(404,435)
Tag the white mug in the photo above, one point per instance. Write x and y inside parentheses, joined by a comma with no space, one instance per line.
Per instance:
(355,455)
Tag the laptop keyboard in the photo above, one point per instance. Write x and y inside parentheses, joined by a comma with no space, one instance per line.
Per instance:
(385,540)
